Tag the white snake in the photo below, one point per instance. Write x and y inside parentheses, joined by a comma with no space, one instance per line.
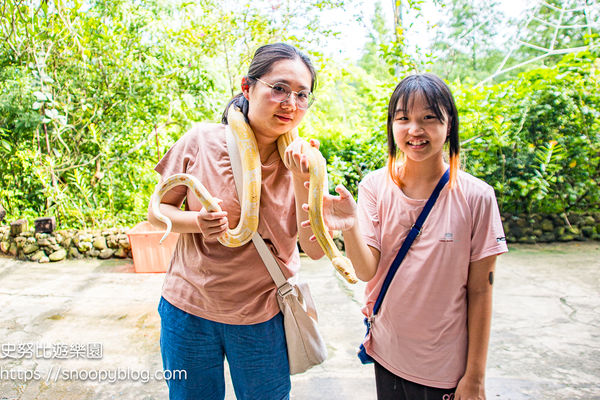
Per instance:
(251,175)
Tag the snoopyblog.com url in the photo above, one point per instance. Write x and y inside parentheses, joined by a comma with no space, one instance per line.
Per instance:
(56,374)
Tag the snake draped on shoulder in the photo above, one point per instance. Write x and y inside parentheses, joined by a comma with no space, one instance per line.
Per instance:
(251,187)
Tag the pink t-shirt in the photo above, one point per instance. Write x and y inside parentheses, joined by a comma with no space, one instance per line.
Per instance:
(207,279)
(420,331)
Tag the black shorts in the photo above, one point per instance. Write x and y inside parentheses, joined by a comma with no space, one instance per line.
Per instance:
(392,387)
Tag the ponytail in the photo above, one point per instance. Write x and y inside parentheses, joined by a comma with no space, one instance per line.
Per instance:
(241,103)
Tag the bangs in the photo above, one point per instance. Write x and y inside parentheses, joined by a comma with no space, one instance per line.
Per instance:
(439,100)
(430,93)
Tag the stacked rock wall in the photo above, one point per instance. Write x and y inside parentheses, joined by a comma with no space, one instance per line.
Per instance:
(114,243)
(537,228)
(56,246)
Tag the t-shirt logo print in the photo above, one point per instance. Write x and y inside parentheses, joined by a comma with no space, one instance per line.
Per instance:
(448,237)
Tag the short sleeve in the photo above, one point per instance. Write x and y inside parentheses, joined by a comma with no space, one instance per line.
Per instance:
(179,157)
(487,233)
(368,217)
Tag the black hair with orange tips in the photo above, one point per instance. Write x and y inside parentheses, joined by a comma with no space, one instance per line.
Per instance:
(439,98)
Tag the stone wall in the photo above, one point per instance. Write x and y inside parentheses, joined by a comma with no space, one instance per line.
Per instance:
(537,228)
(114,243)
(543,228)
(56,246)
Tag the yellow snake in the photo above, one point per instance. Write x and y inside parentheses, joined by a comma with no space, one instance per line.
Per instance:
(251,175)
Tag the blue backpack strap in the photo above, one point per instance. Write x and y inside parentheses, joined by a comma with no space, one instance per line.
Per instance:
(412,235)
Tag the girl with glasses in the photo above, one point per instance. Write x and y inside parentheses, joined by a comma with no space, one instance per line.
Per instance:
(220,302)
(429,339)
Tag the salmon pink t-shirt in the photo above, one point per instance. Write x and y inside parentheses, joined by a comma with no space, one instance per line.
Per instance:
(420,331)
(207,279)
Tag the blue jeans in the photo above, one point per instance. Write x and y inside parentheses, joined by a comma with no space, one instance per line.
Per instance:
(257,356)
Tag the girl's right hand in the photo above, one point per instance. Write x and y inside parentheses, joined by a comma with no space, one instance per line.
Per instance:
(212,224)
(339,212)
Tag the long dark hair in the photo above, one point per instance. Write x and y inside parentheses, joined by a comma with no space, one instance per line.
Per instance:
(261,64)
(440,99)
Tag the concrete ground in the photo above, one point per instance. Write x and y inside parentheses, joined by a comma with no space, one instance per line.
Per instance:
(65,326)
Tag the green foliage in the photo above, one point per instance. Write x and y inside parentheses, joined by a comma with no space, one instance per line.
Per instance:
(92,94)
(554,28)
(353,158)
(82,94)
(536,139)
(349,121)
(386,53)
(465,45)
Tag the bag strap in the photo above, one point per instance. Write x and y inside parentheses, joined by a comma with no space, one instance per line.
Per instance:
(415,231)
(283,286)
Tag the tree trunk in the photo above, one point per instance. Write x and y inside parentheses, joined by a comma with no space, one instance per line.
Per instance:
(398,28)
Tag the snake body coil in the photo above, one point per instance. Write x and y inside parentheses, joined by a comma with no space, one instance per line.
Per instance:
(250,201)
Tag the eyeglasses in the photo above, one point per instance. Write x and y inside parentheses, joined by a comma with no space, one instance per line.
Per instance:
(281,92)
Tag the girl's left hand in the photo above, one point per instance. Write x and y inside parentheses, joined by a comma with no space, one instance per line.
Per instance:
(296,159)
(339,212)
(469,389)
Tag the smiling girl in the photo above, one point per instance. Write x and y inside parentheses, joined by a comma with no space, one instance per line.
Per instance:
(218,301)
(429,339)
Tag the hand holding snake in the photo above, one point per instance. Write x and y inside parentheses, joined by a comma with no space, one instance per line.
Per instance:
(317,189)
(339,212)
(212,224)
(250,200)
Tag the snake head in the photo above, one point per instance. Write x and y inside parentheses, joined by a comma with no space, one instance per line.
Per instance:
(344,266)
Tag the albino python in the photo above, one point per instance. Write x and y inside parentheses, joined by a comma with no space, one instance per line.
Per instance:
(250,160)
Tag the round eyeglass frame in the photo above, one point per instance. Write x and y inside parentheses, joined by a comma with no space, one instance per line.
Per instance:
(274,95)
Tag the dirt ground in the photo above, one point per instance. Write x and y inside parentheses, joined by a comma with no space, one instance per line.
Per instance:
(89,330)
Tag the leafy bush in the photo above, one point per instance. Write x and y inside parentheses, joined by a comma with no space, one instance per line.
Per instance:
(87,102)
(93,93)
(349,120)
(536,139)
